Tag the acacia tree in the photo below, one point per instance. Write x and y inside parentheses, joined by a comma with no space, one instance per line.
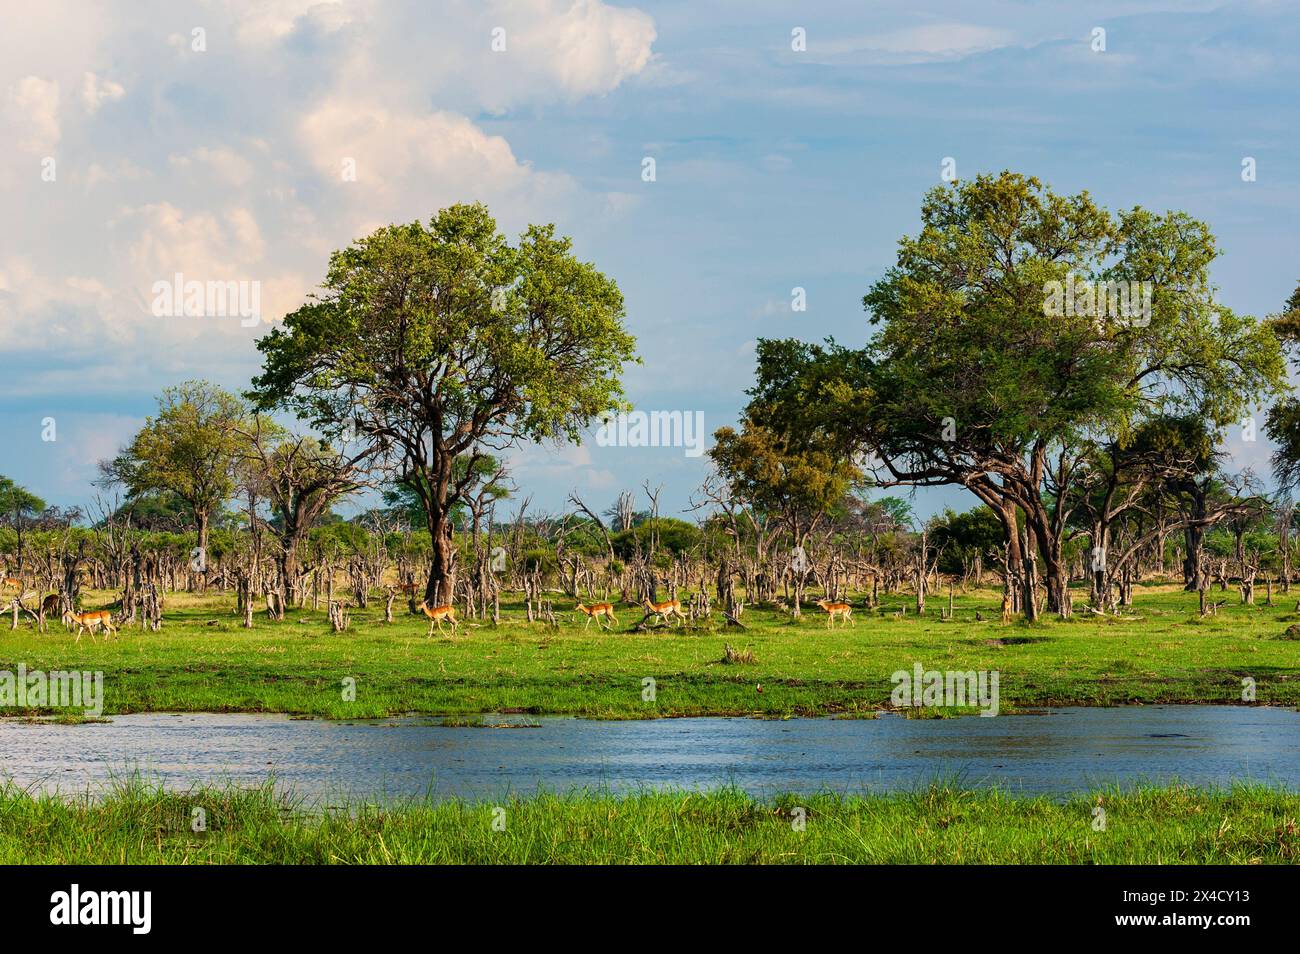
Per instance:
(190,449)
(444,342)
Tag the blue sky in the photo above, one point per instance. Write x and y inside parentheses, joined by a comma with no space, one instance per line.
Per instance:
(775,168)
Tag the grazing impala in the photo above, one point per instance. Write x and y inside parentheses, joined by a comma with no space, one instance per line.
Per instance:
(600,612)
(665,610)
(91,621)
(437,615)
(49,607)
(833,609)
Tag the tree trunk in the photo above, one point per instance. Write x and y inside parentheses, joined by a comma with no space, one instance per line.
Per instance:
(442,572)
(202,518)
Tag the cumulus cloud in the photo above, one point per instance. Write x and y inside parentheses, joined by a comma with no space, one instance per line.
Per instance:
(226,164)
(389,155)
(589,49)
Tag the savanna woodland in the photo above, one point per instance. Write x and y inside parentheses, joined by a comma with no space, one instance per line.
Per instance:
(1109,553)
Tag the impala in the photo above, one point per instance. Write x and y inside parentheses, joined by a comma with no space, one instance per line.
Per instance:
(842,610)
(600,612)
(665,610)
(437,615)
(49,607)
(91,621)
(13,581)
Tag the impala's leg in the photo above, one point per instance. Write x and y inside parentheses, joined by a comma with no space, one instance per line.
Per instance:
(586,624)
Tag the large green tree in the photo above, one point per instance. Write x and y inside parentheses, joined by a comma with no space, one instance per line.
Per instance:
(444,341)
(18,506)
(977,377)
(191,449)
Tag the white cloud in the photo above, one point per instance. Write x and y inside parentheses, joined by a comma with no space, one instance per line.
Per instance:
(262,23)
(32,106)
(591,48)
(440,156)
(224,165)
(96,91)
(919,44)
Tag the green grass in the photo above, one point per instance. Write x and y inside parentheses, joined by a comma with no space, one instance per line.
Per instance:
(203,660)
(1169,825)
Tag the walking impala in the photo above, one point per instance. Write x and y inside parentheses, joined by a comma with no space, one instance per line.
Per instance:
(91,621)
(665,610)
(600,612)
(437,615)
(833,609)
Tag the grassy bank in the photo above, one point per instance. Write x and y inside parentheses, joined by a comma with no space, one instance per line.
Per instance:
(1246,825)
(203,660)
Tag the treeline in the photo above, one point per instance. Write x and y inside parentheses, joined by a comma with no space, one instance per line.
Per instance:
(1090,438)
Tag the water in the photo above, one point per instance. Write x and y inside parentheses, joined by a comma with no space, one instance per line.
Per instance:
(1056,752)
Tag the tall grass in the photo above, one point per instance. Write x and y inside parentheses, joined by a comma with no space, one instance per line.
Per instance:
(140,824)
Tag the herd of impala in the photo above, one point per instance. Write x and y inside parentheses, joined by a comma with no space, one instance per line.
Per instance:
(669,610)
(602,613)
